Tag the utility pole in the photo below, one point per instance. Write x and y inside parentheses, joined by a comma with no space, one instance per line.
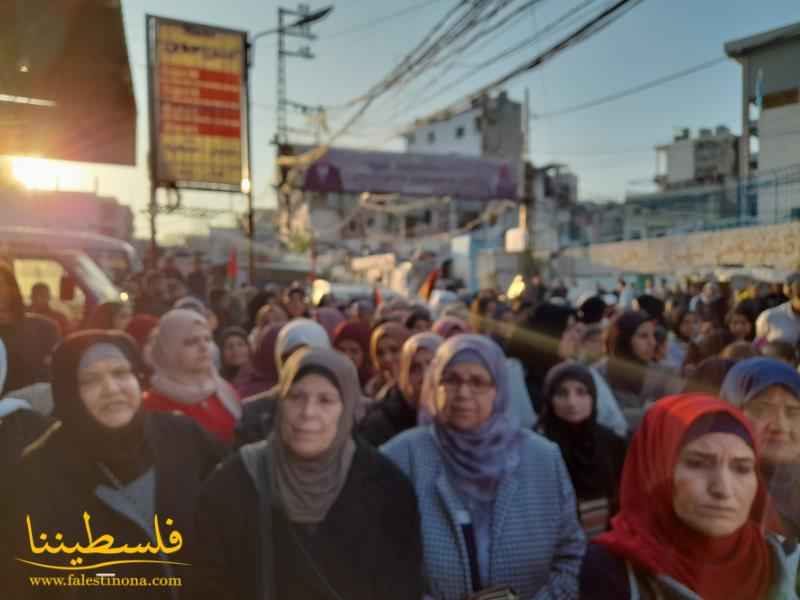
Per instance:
(301,28)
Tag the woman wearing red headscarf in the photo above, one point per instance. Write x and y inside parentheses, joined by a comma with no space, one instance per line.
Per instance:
(693,514)
(352,339)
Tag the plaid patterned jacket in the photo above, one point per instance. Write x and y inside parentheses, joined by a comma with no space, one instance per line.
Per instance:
(537,544)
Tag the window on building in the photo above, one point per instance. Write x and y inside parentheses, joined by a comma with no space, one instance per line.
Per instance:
(478,124)
(412,138)
(459,132)
(431,137)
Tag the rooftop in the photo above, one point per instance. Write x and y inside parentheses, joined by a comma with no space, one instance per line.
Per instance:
(748,45)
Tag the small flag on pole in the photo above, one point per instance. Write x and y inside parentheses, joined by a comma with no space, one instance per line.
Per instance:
(232,272)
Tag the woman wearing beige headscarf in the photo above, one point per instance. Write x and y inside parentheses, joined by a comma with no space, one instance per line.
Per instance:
(335,518)
(384,348)
(185,380)
(396,410)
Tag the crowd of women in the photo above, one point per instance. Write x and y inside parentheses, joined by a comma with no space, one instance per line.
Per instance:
(624,448)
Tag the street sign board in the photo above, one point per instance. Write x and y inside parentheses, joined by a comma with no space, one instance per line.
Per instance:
(198,105)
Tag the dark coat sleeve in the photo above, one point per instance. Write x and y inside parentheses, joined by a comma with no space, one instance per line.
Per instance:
(603,576)
(375,427)
(402,539)
(224,560)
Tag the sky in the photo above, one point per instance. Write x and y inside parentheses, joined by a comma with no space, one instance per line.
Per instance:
(610,147)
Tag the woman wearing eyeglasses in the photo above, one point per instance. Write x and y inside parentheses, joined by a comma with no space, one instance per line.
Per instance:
(496,502)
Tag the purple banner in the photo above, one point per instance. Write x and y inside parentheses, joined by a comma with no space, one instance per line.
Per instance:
(462,177)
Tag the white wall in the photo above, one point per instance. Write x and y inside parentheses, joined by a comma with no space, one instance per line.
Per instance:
(779,138)
(445,141)
(680,161)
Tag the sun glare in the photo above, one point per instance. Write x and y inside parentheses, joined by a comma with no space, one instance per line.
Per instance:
(42,174)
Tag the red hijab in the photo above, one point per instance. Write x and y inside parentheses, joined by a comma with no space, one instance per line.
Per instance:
(358,332)
(649,534)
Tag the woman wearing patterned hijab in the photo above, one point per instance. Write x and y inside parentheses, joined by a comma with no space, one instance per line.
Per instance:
(107,458)
(335,518)
(496,501)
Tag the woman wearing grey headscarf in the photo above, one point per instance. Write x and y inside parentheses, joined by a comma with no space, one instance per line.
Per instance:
(258,411)
(317,515)
(396,410)
(497,505)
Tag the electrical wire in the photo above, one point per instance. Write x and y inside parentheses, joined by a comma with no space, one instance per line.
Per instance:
(380,20)
(631,91)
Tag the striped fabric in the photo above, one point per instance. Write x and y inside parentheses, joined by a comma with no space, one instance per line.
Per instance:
(537,543)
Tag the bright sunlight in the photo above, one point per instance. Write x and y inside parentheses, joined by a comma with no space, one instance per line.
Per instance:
(41,174)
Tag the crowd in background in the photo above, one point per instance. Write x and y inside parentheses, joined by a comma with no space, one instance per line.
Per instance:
(625,445)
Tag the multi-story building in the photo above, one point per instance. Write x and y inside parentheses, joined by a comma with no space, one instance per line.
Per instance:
(369,201)
(709,158)
(553,193)
(486,127)
(769,149)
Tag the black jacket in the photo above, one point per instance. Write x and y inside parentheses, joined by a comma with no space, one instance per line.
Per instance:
(29,343)
(55,487)
(368,546)
(387,418)
(17,430)
(257,420)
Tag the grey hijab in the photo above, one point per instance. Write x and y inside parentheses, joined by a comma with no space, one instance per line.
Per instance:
(307,489)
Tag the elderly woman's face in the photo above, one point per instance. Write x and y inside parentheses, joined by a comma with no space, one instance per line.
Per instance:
(110,391)
(775,415)
(466,396)
(715,483)
(310,416)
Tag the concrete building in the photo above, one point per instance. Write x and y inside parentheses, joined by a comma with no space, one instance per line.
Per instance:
(488,128)
(369,202)
(709,158)
(79,211)
(553,193)
(769,150)
(770,99)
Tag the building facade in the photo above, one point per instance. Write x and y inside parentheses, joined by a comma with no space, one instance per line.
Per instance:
(709,158)
(770,143)
(488,128)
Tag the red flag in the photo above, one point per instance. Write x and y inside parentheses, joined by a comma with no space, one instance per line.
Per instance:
(233,268)
(378,297)
(427,287)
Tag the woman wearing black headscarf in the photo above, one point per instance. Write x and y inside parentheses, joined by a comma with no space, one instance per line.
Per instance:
(629,369)
(594,454)
(108,467)
(315,515)
(536,345)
